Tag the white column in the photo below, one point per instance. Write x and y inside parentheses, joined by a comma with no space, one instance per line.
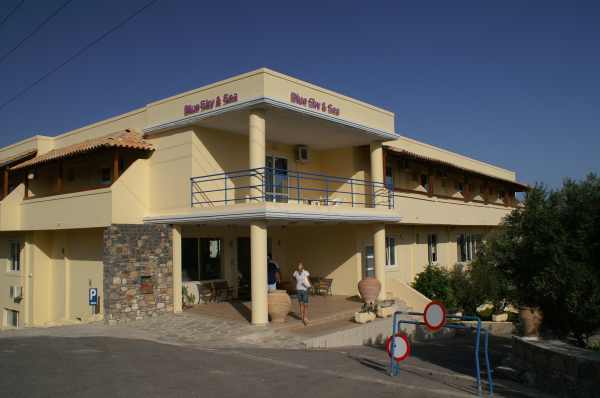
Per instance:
(258,271)
(379,251)
(177,285)
(257,136)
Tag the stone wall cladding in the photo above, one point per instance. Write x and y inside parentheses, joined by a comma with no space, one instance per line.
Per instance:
(131,252)
(557,368)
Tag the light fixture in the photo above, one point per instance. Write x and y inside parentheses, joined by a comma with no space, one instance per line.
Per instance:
(31,175)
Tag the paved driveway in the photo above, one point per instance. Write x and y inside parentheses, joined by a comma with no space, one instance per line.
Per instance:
(49,366)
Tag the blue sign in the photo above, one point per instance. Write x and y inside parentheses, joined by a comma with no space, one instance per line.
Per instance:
(94,296)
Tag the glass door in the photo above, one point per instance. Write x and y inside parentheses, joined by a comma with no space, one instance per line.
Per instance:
(276,179)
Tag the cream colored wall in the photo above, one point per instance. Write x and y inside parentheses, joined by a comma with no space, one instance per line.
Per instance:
(420,209)
(248,86)
(325,251)
(412,249)
(279,86)
(57,270)
(131,194)
(10,210)
(11,278)
(84,257)
(87,209)
(170,170)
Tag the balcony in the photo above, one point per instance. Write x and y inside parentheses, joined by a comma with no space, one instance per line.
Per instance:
(92,208)
(283,186)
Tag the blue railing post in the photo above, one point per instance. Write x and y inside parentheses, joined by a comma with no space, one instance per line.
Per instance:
(352,191)
(192,192)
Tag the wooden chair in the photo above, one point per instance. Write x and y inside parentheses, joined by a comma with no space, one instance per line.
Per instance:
(323,287)
(222,291)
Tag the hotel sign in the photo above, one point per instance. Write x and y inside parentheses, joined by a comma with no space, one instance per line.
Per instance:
(314,104)
(208,104)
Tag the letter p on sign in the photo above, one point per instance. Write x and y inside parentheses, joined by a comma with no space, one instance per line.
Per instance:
(93,296)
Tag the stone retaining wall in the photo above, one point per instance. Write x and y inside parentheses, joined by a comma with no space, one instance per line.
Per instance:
(557,368)
(138,271)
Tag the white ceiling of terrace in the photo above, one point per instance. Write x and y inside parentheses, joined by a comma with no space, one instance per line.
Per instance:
(293,128)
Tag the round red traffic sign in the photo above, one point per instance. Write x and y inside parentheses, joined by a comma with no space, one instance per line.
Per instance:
(401,347)
(434,315)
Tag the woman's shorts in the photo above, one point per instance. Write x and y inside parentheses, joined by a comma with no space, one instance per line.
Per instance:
(302,296)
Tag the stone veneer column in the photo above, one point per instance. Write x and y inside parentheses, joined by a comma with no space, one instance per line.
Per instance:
(134,254)
(258,272)
(177,281)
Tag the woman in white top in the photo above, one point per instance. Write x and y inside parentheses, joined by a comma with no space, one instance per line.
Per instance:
(302,285)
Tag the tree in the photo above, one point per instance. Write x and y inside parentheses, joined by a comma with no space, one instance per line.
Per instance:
(549,253)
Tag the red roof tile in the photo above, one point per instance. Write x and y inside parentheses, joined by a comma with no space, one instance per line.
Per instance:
(126,139)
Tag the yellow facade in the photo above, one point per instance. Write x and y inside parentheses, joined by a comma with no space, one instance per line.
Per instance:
(328,217)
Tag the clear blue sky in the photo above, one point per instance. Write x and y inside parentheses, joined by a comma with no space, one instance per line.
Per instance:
(515,83)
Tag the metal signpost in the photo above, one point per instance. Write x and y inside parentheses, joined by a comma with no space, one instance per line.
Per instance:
(435,318)
(93,299)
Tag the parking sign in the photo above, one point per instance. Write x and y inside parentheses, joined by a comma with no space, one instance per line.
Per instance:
(93,296)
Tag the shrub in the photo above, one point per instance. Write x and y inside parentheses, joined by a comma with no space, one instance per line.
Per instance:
(434,282)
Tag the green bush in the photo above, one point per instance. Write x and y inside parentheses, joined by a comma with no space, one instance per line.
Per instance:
(434,282)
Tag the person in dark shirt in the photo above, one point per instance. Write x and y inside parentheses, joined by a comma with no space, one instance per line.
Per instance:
(273,274)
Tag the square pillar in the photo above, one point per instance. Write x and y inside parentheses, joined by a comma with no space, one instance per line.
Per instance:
(257,153)
(258,272)
(177,282)
(379,252)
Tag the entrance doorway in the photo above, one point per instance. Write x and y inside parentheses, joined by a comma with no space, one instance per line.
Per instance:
(243,265)
(201,259)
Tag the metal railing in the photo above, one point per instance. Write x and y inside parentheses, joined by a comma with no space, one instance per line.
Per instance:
(267,184)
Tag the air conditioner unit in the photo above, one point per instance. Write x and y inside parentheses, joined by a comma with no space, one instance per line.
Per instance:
(302,154)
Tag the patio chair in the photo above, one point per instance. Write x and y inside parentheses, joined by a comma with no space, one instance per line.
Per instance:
(323,287)
(222,291)
(205,293)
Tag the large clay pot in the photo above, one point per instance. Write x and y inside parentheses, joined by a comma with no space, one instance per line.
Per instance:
(279,305)
(369,289)
(531,319)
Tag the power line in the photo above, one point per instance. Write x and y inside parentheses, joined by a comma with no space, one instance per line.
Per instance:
(15,8)
(78,53)
(37,29)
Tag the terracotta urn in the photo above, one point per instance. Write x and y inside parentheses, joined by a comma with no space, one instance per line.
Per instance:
(279,304)
(531,321)
(369,289)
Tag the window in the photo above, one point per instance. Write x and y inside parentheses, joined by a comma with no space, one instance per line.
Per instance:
(460,187)
(390,251)
(15,292)
(389,177)
(425,181)
(467,246)
(12,318)
(105,176)
(432,254)
(15,256)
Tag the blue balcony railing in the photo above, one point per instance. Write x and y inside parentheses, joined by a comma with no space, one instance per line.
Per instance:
(267,184)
